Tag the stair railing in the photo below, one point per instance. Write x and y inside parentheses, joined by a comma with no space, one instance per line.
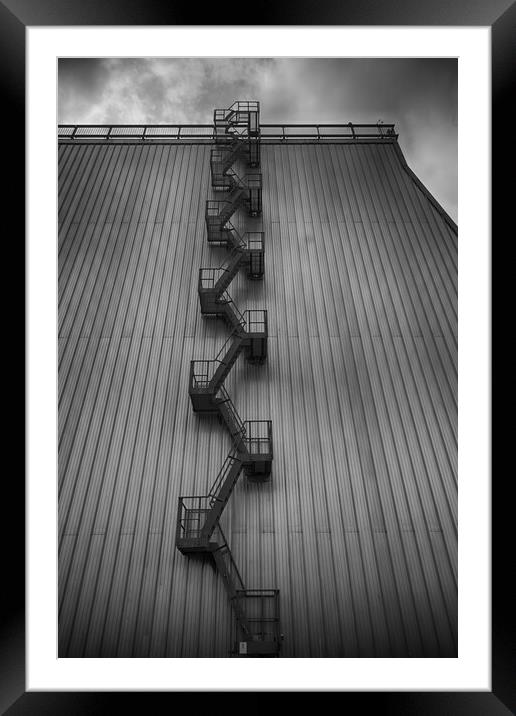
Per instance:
(198,520)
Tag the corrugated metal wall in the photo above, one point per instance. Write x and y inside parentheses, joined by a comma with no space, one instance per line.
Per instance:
(358,525)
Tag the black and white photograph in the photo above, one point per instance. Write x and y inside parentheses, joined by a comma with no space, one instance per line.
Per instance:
(257,357)
(259,375)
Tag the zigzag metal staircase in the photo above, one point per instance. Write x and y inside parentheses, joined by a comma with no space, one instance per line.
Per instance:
(237,136)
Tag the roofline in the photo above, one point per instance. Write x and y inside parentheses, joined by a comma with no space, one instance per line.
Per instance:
(270,134)
(447,218)
(205,133)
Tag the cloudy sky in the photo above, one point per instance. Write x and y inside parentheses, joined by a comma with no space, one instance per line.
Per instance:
(418,95)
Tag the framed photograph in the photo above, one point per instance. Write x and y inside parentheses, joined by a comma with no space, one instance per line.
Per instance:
(356,638)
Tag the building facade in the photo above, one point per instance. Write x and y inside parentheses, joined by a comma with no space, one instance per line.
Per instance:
(344,505)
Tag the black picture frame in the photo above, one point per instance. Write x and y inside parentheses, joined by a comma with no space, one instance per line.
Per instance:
(500,15)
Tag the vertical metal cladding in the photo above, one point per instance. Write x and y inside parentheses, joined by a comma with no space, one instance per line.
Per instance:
(358,526)
(237,132)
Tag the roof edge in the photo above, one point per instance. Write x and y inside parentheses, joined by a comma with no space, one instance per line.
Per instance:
(453,226)
(349,132)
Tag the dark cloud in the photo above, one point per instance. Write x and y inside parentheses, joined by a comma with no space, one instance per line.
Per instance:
(85,75)
(418,95)
(80,84)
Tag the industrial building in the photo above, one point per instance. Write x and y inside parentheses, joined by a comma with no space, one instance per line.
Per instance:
(257,393)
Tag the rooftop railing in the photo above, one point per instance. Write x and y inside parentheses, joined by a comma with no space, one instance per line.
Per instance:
(205,132)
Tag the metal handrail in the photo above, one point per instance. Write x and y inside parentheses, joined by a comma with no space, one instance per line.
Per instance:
(208,277)
(265,627)
(226,298)
(191,519)
(256,442)
(238,107)
(255,244)
(223,397)
(250,322)
(187,132)
(235,180)
(222,352)
(218,155)
(223,472)
(240,241)
(215,207)
(245,105)
(202,380)
(224,547)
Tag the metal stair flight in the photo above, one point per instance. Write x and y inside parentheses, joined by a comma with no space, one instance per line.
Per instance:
(237,135)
